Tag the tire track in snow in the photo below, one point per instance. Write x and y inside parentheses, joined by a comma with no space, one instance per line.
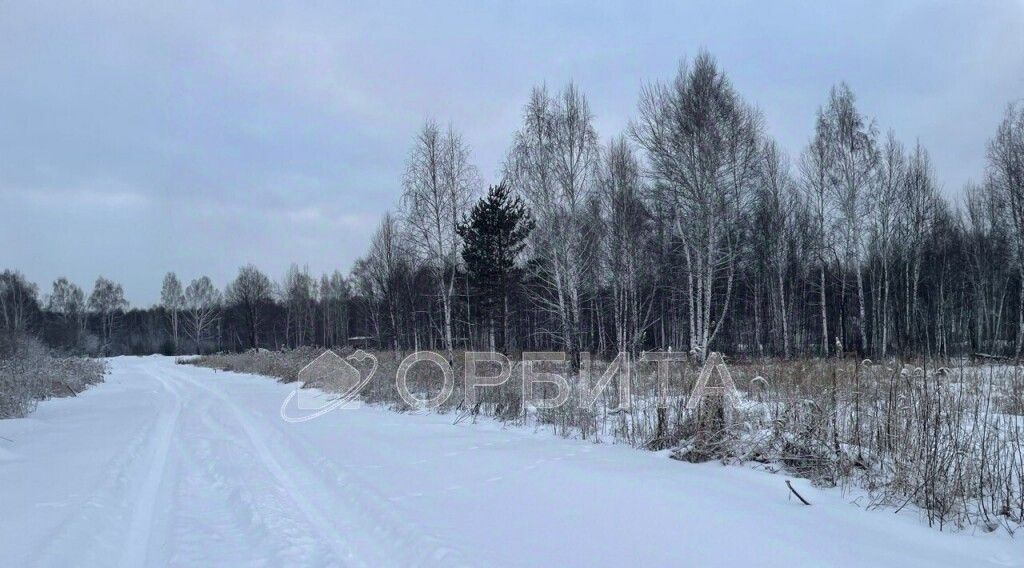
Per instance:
(372,522)
(421,547)
(136,545)
(318,521)
(96,514)
(232,499)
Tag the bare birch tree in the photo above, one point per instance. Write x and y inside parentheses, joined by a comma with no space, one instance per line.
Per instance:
(991,262)
(920,200)
(202,305)
(816,183)
(553,164)
(334,298)
(172,299)
(68,301)
(439,186)
(382,275)
(627,244)
(298,292)
(703,144)
(108,304)
(888,211)
(778,204)
(1006,174)
(854,157)
(19,300)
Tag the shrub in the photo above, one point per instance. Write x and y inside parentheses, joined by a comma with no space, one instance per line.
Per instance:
(29,372)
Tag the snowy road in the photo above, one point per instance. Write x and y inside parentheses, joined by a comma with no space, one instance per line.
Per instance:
(173,465)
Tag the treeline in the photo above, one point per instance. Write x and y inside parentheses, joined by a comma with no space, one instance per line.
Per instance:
(251,312)
(692,230)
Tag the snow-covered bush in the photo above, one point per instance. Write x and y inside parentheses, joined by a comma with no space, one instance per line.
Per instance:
(284,364)
(29,372)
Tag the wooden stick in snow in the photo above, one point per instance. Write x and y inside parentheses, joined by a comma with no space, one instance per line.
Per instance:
(798,496)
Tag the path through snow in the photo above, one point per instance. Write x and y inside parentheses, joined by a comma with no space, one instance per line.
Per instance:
(166,464)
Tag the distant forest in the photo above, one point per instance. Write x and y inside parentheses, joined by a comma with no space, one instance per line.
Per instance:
(692,230)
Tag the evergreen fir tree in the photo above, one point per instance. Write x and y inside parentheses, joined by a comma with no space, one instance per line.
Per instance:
(494,234)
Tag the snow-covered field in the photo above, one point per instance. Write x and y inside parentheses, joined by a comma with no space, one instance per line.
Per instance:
(166,464)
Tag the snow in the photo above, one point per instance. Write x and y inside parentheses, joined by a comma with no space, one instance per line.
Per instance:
(168,464)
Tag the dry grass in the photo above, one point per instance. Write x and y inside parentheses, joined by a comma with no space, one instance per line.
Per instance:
(29,372)
(947,441)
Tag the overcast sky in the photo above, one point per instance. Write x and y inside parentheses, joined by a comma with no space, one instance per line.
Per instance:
(137,138)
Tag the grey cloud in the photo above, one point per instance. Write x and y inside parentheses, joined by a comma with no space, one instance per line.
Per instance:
(137,138)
